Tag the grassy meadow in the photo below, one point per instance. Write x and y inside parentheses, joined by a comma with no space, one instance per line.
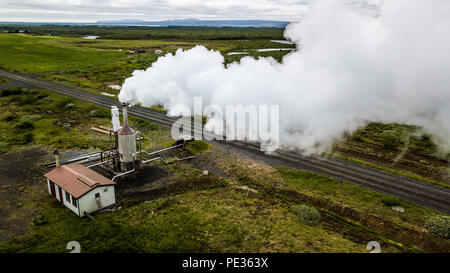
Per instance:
(25,54)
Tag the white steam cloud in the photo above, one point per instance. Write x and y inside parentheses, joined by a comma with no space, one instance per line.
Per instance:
(350,69)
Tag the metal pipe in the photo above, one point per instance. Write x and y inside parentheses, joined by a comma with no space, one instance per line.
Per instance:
(124,114)
(185,158)
(100,163)
(165,162)
(57,159)
(163,150)
(138,133)
(73,159)
(153,159)
(122,174)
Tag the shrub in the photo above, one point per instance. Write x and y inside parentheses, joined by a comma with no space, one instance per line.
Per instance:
(10,91)
(40,96)
(40,220)
(23,138)
(308,215)
(70,105)
(423,144)
(30,118)
(197,146)
(48,99)
(24,125)
(391,202)
(28,137)
(439,225)
(63,102)
(9,117)
(67,126)
(390,139)
(99,113)
(23,100)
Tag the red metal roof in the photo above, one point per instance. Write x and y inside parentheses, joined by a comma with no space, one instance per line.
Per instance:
(77,179)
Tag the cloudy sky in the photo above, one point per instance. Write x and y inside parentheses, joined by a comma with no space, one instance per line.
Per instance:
(151,10)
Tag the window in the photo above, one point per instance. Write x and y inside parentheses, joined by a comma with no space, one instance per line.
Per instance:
(97,195)
(67,197)
(74,201)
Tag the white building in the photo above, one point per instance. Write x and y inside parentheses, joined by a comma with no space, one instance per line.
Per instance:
(80,189)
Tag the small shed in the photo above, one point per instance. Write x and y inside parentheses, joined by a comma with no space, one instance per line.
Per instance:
(80,189)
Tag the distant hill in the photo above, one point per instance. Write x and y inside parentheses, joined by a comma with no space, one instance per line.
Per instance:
(198,23)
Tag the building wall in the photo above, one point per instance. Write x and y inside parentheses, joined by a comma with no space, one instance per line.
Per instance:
(88,203)
(66,202)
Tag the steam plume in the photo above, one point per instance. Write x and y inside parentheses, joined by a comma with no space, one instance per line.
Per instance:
(350,69)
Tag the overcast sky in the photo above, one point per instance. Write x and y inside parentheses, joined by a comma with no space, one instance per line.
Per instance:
(151,10)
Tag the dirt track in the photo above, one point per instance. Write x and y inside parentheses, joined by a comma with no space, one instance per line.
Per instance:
(20,181)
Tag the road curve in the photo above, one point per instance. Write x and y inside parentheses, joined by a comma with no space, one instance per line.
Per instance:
(428,195)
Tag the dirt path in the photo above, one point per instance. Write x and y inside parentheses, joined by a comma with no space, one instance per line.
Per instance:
(21,183)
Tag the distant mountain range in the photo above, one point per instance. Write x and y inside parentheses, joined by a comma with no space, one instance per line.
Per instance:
(198,23)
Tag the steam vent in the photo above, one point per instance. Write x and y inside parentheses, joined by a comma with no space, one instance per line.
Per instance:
(127,141)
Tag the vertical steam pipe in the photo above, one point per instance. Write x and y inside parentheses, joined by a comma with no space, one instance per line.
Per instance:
(57,158)
(125,114)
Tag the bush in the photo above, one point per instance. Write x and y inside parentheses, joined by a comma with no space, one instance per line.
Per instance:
(40,220)
(439,225)
(391,202)
(24,138)
(390,139)
(9,117)
(197,146)
(67,126)
(24,125)
(41,96)
(10,91)
(30,118)
(61,103)
(48,99)
(308,215)
(23,100)
(28,137)
(98,113)
(70,105)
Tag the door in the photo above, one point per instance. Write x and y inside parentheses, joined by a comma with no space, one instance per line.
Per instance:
(52,189)
(60,195)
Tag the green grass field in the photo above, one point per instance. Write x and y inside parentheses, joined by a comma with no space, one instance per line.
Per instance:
(196,221)
(152,33)
(37,117)
(27,54)
(357,197)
